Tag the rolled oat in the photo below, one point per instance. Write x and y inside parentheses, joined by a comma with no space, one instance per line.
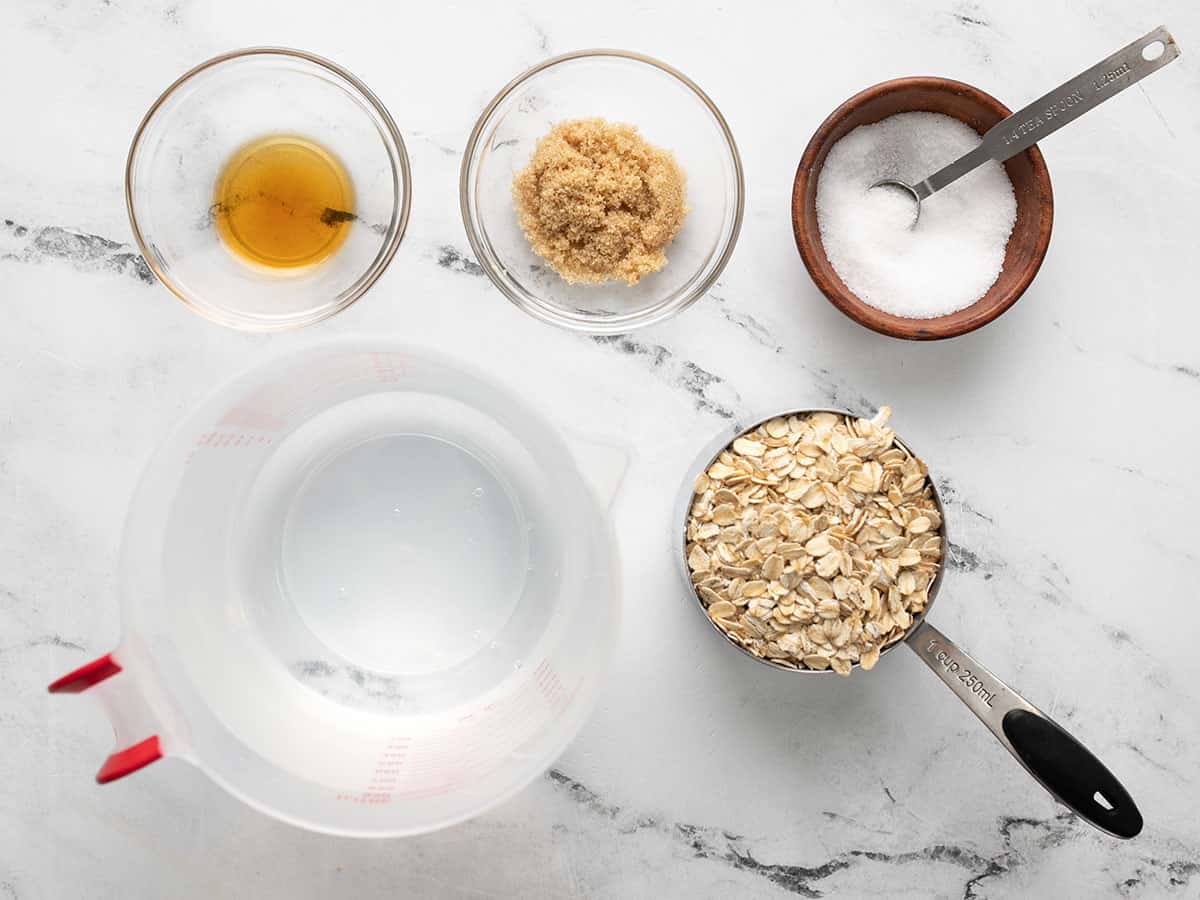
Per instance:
(812,541)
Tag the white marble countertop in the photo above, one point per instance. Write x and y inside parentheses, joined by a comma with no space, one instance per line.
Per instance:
(1065,434)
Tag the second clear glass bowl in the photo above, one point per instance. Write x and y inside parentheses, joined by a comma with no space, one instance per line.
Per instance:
(671,112)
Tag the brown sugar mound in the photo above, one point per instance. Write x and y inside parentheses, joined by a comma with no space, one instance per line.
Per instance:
(599,203)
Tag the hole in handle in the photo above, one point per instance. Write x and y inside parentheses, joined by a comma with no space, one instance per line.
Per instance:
(1153,51)
(1071,772)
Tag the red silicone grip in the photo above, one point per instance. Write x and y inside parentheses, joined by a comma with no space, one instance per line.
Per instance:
(121,762)
(85,676)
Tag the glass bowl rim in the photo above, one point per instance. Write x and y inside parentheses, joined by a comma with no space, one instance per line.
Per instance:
(397,154)
(583,322)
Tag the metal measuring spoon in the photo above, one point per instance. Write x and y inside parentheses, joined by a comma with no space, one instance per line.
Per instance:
(1051,112)
(1062,765)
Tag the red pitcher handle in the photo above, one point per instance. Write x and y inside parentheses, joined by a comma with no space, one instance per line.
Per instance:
(127,759)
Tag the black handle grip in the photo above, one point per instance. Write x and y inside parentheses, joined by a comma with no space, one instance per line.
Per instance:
(1070,771)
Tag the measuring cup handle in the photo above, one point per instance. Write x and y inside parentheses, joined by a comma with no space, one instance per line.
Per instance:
(603,464)
(1061,764)
(127,711)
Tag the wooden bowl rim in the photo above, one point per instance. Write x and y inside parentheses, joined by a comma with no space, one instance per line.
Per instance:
(808,237)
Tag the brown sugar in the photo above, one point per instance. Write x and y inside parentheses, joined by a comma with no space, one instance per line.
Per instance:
(599,203)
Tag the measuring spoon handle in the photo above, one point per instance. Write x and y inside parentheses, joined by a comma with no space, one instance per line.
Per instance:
(1064,104)
(1061,764)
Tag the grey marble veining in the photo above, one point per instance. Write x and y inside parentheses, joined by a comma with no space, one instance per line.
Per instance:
(87,252)
(1062,437)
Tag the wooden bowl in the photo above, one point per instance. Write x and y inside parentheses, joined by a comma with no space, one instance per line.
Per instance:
(1031,181)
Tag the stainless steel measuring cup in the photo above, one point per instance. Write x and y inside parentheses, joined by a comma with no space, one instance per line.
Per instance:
(1060,763)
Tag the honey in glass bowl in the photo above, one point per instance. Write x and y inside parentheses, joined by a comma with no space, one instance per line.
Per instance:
(283,202)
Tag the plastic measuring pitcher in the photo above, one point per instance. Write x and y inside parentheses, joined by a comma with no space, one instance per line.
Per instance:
(366,590)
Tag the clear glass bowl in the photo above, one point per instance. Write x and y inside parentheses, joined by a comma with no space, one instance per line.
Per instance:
(671,112)
(197,125)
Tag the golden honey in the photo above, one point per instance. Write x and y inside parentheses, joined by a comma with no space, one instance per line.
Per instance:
(283,202)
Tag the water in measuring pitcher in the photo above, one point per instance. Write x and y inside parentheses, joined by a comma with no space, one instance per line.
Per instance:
(410,573)
(405,554)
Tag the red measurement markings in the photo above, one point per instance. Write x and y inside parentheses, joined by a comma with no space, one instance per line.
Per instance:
(218,439)
(250,417)
(550,685)
(366,799)
(389,368)
(385,778)
(439,763)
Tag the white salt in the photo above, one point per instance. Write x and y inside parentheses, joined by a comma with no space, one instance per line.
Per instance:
(956,250)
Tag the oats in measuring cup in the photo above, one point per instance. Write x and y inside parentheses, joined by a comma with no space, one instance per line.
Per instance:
(812,541)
